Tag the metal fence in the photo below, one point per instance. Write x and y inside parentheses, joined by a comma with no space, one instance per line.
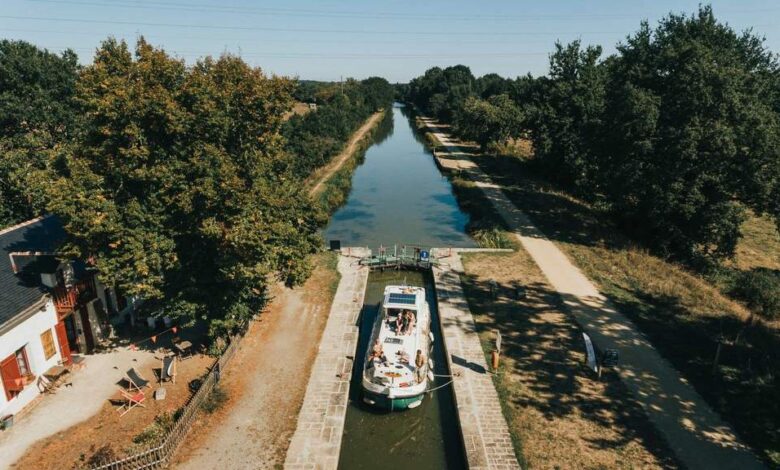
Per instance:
(159,455)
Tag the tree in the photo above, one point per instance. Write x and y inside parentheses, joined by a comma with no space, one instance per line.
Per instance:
(36,119)
(442,92)
(565,116)
(690,137)
(493,120)
(176,189)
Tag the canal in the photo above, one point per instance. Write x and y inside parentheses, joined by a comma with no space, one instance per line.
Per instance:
(399,196)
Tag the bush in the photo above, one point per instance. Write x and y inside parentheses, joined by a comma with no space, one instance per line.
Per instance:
(760,289)
(156,431)
(214,401)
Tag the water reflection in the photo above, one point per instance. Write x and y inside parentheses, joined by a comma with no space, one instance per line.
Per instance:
(398,195)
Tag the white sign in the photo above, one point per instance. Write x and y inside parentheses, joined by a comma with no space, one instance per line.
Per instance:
(590,352)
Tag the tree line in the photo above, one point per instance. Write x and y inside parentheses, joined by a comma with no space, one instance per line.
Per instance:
(182,185)
(677,135)
(341,108)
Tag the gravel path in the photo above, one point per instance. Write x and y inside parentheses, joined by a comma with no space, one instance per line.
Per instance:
(268,374)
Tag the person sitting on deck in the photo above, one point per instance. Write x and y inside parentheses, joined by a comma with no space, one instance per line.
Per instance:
(399,322)
(377,352)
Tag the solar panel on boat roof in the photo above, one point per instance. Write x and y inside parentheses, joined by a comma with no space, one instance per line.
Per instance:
(398,298)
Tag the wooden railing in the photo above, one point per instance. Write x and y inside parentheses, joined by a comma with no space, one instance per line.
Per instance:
(159,455)
(65,299)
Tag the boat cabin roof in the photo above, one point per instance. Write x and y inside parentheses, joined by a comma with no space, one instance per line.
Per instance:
(408,298)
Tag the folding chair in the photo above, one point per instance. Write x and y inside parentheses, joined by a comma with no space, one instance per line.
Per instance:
(168,369)
(136,380)
(131,400)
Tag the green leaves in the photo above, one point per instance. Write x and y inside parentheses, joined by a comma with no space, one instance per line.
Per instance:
(177,187)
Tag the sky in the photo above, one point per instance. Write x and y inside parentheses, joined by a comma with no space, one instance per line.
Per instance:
(331,40)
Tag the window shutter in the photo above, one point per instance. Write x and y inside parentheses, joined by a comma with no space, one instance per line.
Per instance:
(9,370)
(47,340)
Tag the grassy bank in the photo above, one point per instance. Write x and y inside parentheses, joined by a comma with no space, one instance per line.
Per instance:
(559,415)
(683,314)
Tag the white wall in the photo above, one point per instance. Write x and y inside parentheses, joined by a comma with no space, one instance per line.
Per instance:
(28,334)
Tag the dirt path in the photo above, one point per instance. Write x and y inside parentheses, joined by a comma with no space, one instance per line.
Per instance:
(345,154)
(698,436)
(265,382)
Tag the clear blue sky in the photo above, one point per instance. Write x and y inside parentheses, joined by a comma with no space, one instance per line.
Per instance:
(396,39)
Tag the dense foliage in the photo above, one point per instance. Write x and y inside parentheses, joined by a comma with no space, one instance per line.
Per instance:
(36,118)
(314,138)
(177,186)
(677,134)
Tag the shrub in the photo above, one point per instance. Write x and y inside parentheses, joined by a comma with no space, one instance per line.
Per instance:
(214,401)
(153,433)
(760,289)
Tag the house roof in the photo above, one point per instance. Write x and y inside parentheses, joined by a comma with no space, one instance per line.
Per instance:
(20,291)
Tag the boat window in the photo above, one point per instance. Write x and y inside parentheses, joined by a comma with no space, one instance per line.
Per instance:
(394,341)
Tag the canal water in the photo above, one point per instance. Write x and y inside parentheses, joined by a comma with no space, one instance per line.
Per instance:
(427,437)
(399,196)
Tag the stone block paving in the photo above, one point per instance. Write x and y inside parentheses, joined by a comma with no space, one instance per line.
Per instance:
(317,440)
(485,432)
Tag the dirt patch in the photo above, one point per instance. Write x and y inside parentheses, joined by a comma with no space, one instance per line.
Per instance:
(560,415)
(266,380)
(73,446)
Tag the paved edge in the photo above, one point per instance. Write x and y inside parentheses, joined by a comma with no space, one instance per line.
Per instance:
(484,430)
(316,442)
(696,433)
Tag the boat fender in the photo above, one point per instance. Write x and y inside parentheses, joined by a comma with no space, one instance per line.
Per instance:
(415,404)
(430,363)
(430,335)
(430,376)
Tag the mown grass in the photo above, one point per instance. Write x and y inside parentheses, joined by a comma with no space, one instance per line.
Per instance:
(559,414)
(683,314)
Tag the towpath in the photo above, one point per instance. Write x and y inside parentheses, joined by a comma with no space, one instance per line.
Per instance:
(698,436)
(339,160)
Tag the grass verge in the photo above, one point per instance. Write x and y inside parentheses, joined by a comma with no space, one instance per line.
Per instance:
(559,415)
(684,316)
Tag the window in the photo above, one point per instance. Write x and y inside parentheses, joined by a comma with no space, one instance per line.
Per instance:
(47,340)
(21,360)
(14,371)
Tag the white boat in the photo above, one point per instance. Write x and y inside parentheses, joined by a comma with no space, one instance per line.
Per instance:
(391,376)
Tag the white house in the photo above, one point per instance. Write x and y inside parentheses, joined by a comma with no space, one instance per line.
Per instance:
(49,310)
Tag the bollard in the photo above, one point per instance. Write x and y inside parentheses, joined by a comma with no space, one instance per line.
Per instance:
(494,360)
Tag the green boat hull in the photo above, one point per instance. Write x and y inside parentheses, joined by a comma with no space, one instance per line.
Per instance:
(391,404)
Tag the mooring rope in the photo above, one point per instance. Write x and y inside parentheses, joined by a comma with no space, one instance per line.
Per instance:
(440,386)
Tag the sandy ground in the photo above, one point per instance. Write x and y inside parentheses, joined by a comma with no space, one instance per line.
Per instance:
(265,381)
(74,444)
(345,154)
(55,413)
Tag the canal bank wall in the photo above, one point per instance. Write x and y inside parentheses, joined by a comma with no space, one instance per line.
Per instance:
(316,442)
(486,438)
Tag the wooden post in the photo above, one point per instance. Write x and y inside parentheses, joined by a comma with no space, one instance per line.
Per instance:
(717,357)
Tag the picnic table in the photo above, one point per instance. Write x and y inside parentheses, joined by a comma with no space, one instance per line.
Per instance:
(183,348)
(52,378)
